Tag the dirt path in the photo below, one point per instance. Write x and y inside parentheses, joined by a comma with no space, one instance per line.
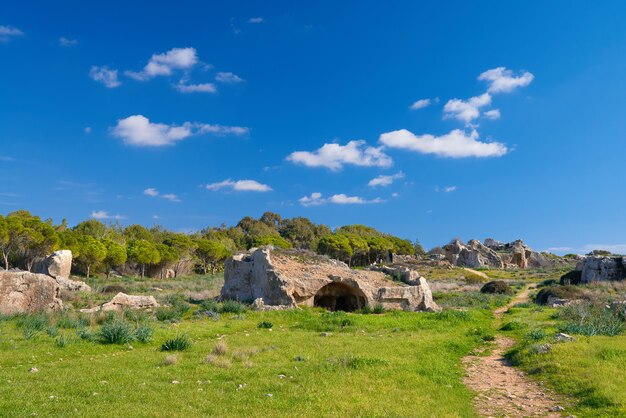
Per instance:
(502,389)
(478,273)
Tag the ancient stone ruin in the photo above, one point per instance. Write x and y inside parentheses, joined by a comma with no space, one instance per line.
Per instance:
(286,279)
(123,301)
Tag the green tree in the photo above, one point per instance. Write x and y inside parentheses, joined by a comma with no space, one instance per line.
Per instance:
(360,249)
(144,253)
(335,246)
(116,255)
(418,249)
(137,232)
(302,233)
(275,240)
(401,246)
(210,254)
(92,253)
(184,246)
(167,255)
(380,248)
(92,227)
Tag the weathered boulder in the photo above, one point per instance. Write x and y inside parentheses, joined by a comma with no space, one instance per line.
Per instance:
(72,285)
(25,292)
(401,273)
(123,301)
(291,278)
(57,264)
(601,269)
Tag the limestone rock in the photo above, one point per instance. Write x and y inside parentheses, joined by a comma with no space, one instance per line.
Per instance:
(72,285)
(402,273)
(57,264)
(290,278)
(123,301)
(473,254)
(25,292)
(601,269)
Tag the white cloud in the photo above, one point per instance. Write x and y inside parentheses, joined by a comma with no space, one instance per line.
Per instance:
(196,88)
(137,130)
(105,76)
(383,181)
(558,249)
(239,186)
(256,20)
(222,130)
(171,197)
(7,33)
(395,195)
(63,41)
(314,199)
(228,77)
(342,199)
(492,114)
(502,80)
(100,214)
(87,129)
(420,104)
(152,192)
(455,144)
(466,111)
(449,189)
(334,156)
(613,248)
(164,64)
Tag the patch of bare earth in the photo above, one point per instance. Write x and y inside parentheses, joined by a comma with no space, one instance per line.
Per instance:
(502,390)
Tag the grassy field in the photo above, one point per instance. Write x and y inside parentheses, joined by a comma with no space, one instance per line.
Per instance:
(591,370)
(310,363)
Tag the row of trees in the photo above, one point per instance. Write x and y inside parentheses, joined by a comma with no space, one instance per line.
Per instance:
(100,248)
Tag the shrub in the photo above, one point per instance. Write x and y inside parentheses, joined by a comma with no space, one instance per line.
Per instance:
(536,334)
(571,278)
(220,349)
(214,360)
(210,305)
(144,333)
(512,326)
(232,306)
(114,288)
(84,334)
(591,319)
(265,325)
(168,314)
(559,292)
(378,309)
(52,332)
(499,287)
(473,278)
(170,360)
(116,332)
(178,343)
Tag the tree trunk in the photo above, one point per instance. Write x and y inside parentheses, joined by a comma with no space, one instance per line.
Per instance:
(29,265)
(143,270)
(88,269)
(6,260)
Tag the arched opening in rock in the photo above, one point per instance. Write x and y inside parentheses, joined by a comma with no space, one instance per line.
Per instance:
(340,297)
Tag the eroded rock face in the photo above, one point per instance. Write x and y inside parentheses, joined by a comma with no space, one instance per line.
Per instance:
(294,278)
(601,269)
(123,301)
(72,285)
(473,254)
(58,264)
(25,292)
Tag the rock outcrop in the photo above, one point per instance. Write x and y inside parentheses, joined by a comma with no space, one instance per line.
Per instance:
(601,269)
(123,301)
(57,264)
(290,278)
(25,292)
(496,254)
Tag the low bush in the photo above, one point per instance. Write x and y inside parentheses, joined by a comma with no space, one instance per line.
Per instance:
(265,325)
(178,343)
(559,292)
(591,319)
(232,306)
(512,326)
(221,348)
(536,335)
(116,332)
(168,314)
(499,287)
(144,333)
(114,288)
(473,278)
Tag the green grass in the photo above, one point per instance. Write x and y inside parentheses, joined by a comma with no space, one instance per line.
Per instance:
(390,364)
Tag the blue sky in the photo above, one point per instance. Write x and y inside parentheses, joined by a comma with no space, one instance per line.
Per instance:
(428,121)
